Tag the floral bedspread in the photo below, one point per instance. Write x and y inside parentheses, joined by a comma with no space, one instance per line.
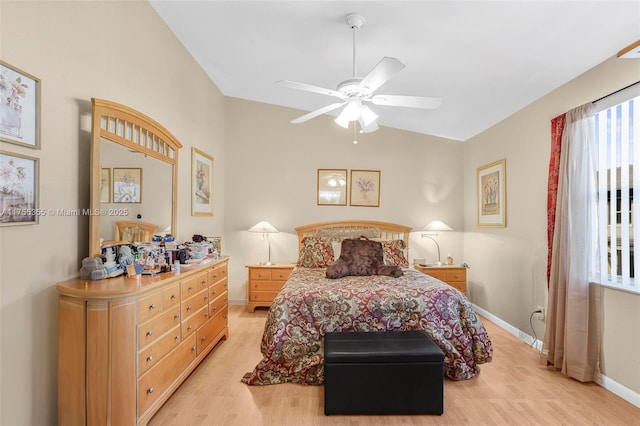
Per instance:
(309,305)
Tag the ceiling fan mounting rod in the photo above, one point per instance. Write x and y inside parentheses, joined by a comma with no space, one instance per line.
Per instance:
(356,22)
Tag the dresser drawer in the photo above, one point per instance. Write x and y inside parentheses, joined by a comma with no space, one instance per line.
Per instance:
(263,296)
(202,281)
(217,273)
(171,296)
(211,329)
(149,306)
(189,325)
(153,353)
(188,288)
(155,382)
(219,303)
(266,285)
(152,330)
(194,303)
(218,288)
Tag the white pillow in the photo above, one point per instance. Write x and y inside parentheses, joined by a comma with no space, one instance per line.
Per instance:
(337,248)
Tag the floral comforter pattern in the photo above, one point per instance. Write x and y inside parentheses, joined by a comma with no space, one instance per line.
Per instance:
(309,305)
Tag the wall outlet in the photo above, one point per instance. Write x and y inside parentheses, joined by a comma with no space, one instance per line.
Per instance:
(540,313)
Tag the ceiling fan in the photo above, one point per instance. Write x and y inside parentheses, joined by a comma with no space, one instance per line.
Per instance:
(355,93)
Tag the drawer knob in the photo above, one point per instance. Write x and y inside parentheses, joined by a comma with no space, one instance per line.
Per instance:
(213,292)
(204,282)
(203,338)
(213,308)
(215,276)
(150,390)
(152,306)
(150,333)
(206,297)
(177,338)
(173,296)
(189,328)
(190,288)
(188,308)
(176,316)
(193,348)
(150,358)
(206,315)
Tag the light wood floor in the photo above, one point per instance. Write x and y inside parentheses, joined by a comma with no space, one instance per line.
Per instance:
(514,389)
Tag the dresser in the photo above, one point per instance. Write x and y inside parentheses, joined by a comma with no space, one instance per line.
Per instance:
(265,281)
(455,276)
(126,344)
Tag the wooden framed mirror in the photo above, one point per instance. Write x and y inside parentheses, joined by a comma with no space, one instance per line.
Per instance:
(145,157)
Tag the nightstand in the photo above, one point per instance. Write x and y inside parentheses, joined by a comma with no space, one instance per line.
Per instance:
(455,276)
(265,281)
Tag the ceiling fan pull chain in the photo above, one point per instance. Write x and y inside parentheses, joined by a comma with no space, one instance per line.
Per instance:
(355,69)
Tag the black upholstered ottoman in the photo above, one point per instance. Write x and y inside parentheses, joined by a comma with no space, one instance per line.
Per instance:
(394,372)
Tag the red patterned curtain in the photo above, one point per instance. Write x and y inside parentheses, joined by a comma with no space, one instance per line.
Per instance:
(557,127)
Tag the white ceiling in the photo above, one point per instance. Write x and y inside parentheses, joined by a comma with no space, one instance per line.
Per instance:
(485,59)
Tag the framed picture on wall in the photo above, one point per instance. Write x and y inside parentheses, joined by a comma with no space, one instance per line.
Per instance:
(332,187)
(201,183)
(19,175)
(19,107)
(105,185)
(127,185)
(492,195)
(365,188)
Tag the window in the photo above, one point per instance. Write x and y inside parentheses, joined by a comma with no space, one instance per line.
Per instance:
(617,132)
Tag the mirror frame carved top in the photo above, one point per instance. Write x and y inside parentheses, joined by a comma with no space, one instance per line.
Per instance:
(136,131)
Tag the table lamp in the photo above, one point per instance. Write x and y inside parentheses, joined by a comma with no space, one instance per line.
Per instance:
(265,228)
(434,227)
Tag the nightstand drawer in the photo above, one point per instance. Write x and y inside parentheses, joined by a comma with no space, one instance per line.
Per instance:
(280,274)
(266,285)
(263,296)
(456,275)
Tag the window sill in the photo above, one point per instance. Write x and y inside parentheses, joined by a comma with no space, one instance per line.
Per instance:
(632,290)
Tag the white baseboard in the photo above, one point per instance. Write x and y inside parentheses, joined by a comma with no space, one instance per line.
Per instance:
(604,381)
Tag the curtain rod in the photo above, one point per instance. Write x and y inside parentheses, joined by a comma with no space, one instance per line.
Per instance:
(613,93)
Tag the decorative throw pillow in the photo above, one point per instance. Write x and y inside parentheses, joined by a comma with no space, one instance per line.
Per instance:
(315,252)
(395,253)
(360,257)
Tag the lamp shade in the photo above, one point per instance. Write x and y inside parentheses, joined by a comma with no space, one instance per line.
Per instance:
(437,225)
(263,227)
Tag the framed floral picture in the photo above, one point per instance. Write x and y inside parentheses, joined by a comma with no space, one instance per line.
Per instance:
(127,185)
(492,195)
(201,183)
(365,188)
(19,175)
(19,107)
(332,187)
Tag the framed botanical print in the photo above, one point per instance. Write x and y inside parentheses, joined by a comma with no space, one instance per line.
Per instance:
(127,185)
(332,187)
(19,107)
(201,183)
(19,179)
(365,188)
(492,195)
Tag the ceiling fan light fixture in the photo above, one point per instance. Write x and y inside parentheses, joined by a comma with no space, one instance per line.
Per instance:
(342,120)
(352,110)
(367,115)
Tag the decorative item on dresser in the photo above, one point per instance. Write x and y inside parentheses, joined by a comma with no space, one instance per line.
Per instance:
(126,344)
(455,276)
(265,281)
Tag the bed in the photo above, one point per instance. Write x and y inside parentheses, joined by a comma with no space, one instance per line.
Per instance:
(309,305)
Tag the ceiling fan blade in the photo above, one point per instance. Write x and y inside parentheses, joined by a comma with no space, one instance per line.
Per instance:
(314,114)
(309,88)
(407,101)
(381,73)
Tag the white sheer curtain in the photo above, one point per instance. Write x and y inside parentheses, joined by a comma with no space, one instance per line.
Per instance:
(571,340)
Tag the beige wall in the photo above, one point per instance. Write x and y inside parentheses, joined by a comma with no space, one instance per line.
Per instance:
(120,51)
(508,265)
(271,175)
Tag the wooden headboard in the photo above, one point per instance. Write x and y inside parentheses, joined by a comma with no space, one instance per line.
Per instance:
(387,231)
